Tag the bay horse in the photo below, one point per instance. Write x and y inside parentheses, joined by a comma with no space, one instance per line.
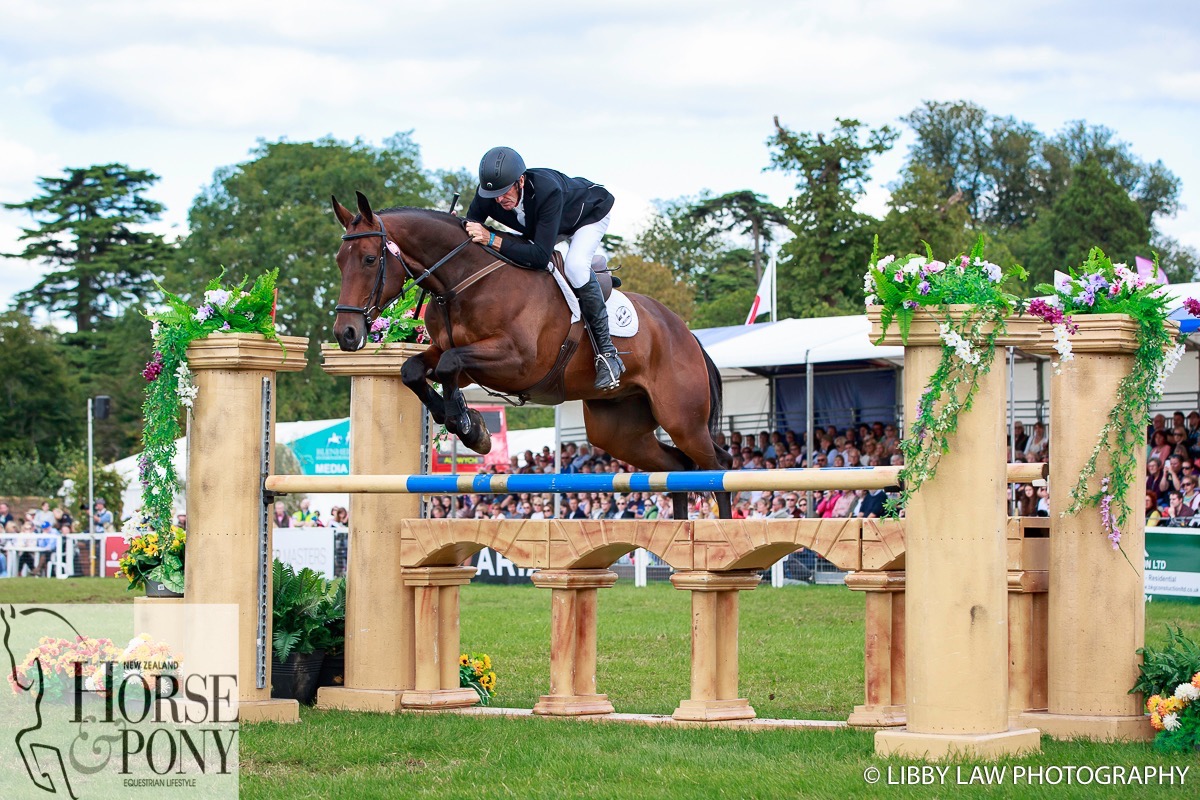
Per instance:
(505,331)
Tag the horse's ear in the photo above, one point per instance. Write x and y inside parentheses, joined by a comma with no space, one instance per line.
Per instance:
(343,214)
(364,208)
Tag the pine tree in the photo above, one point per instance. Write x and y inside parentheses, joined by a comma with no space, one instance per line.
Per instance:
(90,231)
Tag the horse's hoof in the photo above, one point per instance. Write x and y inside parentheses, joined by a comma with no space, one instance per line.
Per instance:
(477,436)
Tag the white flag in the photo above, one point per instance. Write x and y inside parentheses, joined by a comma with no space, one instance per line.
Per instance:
(762,299)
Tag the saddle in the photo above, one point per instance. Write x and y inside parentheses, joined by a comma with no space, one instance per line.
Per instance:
(604,275)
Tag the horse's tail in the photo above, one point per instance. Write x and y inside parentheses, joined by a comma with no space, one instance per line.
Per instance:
(715,393)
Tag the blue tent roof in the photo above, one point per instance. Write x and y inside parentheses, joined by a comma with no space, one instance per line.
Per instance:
(1187,323)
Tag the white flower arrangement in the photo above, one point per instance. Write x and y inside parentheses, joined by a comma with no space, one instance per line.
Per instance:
(184,385)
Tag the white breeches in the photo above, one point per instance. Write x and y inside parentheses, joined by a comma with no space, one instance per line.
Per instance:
(582,246)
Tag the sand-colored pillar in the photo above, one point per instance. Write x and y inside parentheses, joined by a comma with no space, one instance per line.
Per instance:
(436,638)
(573,641)
(226,443)
(1097,596)
(715,644)
(884,651)
(385,439)
(956,592)
(1028,586)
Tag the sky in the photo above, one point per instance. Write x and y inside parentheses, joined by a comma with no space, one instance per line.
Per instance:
(653,98)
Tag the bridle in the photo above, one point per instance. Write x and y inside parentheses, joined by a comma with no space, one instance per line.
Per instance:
(388,246)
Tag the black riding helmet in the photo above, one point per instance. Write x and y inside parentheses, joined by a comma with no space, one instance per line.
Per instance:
(499,170)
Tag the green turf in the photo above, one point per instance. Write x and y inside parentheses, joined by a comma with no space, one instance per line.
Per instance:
(801,657)
(71,590)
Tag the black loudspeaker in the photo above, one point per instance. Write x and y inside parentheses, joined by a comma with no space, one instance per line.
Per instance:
(101,405)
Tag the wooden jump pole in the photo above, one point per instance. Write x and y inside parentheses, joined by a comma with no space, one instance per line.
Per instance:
(700,481)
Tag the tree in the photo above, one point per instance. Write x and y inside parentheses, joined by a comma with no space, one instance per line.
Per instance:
(656,280)
(952,143)
(922,212)
(114,368)
(1180,262)
(1093,212)
(41,405)
(1152,186)
(820,271)
(675,238)
(745,212)
(274,211)
(89,232)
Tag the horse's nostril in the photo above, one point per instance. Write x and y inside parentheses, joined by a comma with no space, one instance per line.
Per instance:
(350,335)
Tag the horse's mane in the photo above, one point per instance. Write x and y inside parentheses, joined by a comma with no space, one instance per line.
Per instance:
(430,213)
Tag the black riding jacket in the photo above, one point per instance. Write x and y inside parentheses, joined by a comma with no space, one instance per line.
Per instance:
(554,206)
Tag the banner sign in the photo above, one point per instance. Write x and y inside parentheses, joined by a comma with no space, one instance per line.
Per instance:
(326,452)
(1173,564)
(449,456)
(491,567)
(305,547)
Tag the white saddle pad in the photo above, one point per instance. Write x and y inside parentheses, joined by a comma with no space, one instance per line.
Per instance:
(622,316)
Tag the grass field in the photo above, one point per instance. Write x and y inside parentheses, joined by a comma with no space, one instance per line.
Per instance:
(801,657)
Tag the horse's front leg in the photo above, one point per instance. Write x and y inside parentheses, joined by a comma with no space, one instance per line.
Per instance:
(488,356)
(413,375)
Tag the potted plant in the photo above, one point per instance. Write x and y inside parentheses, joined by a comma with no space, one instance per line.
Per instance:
(1170,681)
(300,636)
(475,671)
(333,611)
(153,561)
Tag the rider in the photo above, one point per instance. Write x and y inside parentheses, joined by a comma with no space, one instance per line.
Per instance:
(547,206)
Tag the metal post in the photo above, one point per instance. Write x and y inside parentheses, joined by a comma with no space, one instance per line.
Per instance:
(640,558)
(264,540)
(1012,431)
(557,454)
(1012,411)
(1041,389)
(811,439)
(777,574)
(91,509)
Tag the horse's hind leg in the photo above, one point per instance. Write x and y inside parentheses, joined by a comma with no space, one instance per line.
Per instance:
(683,422)
(625,428)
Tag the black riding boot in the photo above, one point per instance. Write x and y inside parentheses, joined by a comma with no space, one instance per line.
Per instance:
(608,363)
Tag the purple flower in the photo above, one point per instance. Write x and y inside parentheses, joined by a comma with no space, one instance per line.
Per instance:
(1193,306)
(910,303)
(380,325)
(226,327)
(204,313)
(153,368)
(923,287)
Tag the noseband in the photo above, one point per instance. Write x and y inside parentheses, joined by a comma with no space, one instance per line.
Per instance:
(385,247)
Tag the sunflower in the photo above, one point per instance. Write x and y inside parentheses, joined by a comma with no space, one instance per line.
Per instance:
(463,660)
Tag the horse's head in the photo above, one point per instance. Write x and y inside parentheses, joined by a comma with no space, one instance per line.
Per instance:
(370,278)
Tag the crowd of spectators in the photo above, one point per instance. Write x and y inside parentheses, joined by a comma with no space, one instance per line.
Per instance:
(861,445)
(30,539)
(1173,470)
(308,517)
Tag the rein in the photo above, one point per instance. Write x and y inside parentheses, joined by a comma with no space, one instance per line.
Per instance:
(388,246)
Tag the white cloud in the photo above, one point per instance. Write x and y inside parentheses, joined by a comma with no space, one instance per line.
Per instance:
(655,99)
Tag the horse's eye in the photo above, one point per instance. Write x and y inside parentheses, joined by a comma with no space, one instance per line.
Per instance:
(370,260)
